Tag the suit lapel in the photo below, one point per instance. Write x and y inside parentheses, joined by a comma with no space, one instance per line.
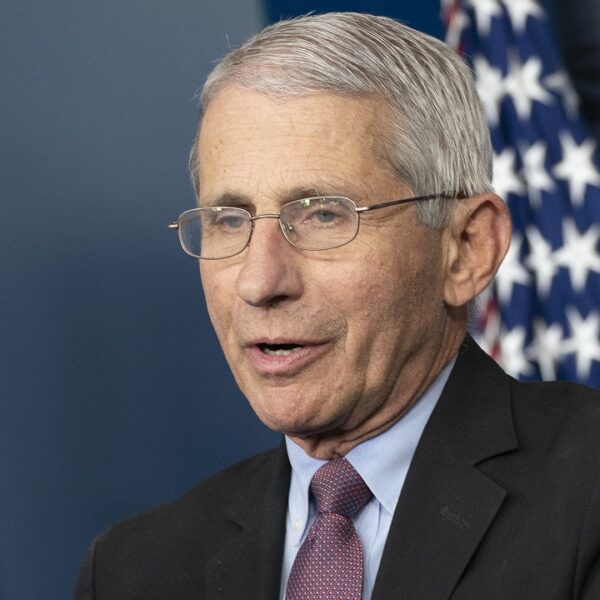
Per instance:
(249,564)
(447,504)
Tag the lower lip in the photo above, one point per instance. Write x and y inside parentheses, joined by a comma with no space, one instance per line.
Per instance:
(287,364)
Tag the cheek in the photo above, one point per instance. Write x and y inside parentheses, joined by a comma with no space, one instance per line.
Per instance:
(217,286)
(383,296)
(372,287)
(368,305)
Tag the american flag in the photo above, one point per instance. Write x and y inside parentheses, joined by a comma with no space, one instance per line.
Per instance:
(541,317)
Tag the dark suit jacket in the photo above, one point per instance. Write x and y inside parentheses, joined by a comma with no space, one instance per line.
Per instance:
(502,501)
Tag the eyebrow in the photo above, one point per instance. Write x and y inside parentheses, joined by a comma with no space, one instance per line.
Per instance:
(245,201)
(298,193)
(228,199)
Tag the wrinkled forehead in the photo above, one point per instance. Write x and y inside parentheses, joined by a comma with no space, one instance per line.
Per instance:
(242,109)
(256,144)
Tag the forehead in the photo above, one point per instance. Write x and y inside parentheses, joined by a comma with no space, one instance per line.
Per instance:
(253,144)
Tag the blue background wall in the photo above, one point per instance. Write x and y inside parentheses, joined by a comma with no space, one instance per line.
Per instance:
(114,393)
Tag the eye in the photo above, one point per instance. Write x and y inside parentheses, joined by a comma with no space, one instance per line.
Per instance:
(222,220)
(316,213)
(324,215)
(229,221)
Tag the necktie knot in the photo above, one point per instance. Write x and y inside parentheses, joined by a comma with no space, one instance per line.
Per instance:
(338,488)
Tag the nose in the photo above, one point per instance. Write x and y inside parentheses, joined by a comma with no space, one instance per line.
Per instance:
(271,269)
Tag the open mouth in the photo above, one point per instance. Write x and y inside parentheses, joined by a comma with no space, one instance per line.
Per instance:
(283,357)
(279,349)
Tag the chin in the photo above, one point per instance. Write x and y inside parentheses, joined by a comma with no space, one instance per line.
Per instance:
(286,424)
(294,410)
(301,424)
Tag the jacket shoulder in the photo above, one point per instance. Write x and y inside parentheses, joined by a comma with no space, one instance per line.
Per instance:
(162,550)
(201,503)
(557,424)
(564,410)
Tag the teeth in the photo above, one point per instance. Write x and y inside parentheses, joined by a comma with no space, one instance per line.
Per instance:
(280,351)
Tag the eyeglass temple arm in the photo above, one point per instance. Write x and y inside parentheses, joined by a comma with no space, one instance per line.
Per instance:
(403,201)
(173,225)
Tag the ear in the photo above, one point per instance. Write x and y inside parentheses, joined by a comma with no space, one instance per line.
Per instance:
(477,240)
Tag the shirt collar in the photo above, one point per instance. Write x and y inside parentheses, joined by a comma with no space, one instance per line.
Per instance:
(382,461)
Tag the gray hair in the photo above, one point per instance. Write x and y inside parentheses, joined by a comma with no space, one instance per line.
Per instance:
(433,132)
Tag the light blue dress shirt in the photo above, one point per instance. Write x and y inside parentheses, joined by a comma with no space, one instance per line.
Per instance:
(383,463)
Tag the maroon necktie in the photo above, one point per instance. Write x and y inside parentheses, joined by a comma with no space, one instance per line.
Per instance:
(329,563)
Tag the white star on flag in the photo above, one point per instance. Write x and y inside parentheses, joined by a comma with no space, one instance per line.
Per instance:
(490,86)
(523,85)
(485,10)
(576,166)
(546,348)
(559,82)
(535,173)
(511,270)
(540,260)
(519,10)
(506,181)
(512,350)
(584,340)
(579,253)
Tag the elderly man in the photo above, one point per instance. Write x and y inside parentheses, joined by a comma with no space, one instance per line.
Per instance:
(345,223)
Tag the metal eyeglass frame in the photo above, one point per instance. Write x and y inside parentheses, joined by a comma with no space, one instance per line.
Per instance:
(358,209)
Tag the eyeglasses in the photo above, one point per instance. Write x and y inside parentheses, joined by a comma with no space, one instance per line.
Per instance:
(319,223)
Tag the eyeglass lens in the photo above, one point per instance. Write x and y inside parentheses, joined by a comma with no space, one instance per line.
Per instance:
(308,224)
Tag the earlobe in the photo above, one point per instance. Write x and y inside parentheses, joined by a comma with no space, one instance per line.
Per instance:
(478,237)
